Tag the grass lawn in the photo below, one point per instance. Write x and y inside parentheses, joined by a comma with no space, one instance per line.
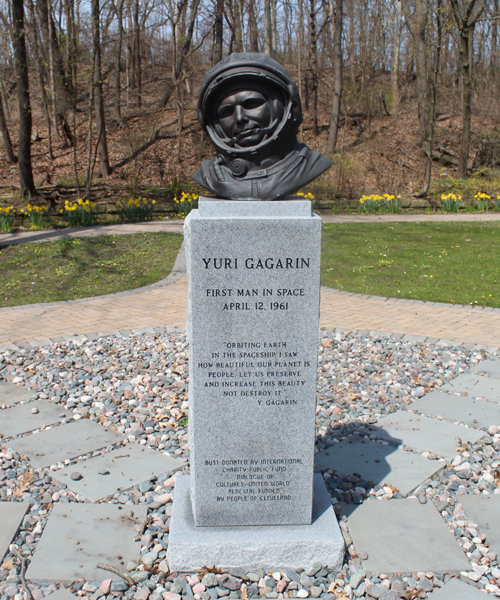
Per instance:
(83,267)
(457,263)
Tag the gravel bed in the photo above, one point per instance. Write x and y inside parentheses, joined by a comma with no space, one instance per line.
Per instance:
(137,385)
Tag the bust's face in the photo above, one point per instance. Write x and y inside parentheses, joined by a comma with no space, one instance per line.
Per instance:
(243,115)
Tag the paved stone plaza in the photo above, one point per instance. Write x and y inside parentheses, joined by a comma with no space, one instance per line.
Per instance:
(89,456)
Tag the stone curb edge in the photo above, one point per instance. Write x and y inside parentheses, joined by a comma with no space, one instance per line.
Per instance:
(28,345)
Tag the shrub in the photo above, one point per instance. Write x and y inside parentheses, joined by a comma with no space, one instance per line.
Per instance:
(140,209)
(185,204)
(387,203)
(451,203)
(482,201)
(38,216)
(79,213)
(7,217)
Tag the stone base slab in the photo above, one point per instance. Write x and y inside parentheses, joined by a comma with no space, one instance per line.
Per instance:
(191,548)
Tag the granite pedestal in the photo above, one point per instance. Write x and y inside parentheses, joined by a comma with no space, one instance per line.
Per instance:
(191,548)
(252,324)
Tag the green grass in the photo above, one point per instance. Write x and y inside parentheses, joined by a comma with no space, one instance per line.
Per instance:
(457,263)
(84,267)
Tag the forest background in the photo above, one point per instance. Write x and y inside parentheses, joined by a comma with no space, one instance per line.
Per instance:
(98,99)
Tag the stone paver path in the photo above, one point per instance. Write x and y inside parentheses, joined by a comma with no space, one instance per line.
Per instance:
(10,393)
(117,470)
(476,413)
(424,434)
(379,463)
(404,535)
(474,386)
(65,442)
(164,304)
(485,512)
(79,536)
(31,416)
(11,515)
(166,307)
(457,590)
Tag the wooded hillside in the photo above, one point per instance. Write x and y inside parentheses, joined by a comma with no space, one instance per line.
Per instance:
(399,93)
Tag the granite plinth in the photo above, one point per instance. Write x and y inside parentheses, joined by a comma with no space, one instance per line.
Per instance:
(191,548)
(253,308)
(216,209)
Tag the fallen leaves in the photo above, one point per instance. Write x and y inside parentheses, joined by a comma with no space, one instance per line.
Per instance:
(205,570)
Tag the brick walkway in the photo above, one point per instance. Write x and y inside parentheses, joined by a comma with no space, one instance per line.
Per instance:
(164,305)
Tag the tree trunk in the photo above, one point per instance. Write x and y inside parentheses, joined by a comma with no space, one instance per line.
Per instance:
(299,61)
(52,68)
(253,30)
(274,33)
(219,31)
(464,50)
(137,54)
(237,27)
(494,40)
(118,114)
(40,73)
(26,183)
(336,23)
(417,23)
(102,146)
(313,40)
(179,63)
(11,157)
(466,23)
(352,47)
(395,59)
(432,116)
(268,26)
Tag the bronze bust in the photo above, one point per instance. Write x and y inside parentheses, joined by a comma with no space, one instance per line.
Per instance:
(250,108)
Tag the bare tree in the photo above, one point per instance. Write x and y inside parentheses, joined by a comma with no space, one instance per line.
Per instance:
(9,152)
(218,31)
(118,114)
(26,182)
(417,21)
(431,122)
(466,14)
(336,25)
(395,57)
(102,145)
(180,57)
(313,62)
(253,30)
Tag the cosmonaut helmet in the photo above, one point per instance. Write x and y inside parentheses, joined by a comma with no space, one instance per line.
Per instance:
(267,76)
